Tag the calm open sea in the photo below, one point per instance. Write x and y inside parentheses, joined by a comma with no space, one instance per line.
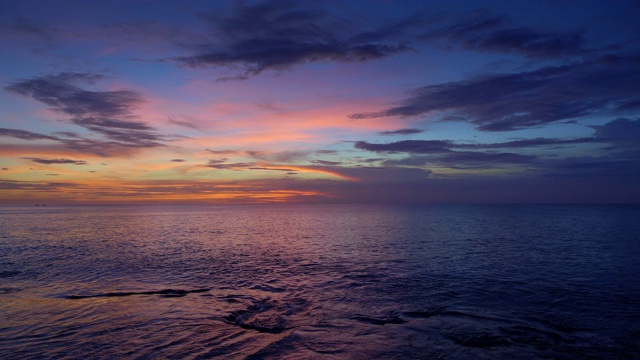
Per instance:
(320,282)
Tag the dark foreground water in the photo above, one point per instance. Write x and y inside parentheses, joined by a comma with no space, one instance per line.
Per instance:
(316,282)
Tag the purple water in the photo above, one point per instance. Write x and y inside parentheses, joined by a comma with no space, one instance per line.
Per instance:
(320,282)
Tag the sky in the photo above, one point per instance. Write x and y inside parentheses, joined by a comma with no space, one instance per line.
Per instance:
(376,101)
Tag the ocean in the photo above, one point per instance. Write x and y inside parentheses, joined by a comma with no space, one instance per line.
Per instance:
(320,282)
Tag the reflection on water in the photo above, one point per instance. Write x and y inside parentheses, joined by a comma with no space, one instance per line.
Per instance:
(360,282)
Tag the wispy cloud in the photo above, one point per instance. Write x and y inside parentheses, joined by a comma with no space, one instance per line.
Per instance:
(326,162)
(279,35)
(25,134)
(223,165)
(281,156)
(106,113)
(620,131)
(494,33)
(523,100)
(408,146)
(408,131)
(48,161)
(22,27)
(464,155)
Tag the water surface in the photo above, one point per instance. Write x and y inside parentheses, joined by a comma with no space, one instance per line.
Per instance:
(322,281)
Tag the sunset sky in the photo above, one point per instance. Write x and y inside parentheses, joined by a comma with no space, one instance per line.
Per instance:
(377,101)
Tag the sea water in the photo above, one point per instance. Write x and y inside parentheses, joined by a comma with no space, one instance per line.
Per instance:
(320,282)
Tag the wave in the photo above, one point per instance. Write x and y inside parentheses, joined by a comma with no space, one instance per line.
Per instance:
(163,293)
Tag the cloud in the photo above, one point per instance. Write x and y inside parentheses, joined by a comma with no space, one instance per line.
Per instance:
(621,130)
(279,35)
(221,152)
(360,175)
(409,146)
(183,121)
(25,135)
(491,33)
(25,28)
(67,134)
(62,96)
(97,123)
(503,102)
(401,132)
(104,148)
(326,152)
(56,161)
(457,155)
(107,113)
(271,168)
(527,143)
(621,159)
(282,156)
(473,159)
(222,165)
(464,160)
(177,160)
(444,146)
(412,161)
(325,162)
(622,133)
(617,165)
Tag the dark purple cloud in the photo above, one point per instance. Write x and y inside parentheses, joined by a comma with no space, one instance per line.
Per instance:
(25,135)
(25,28)
(35,186)
(221,152)
(105,148)
(282,156)
(620,165)
(59,92)
(401,132)
(97,122)
(458,155)
(107,113)
(464,160)
(474,159)
(223,165)
(271,168)
(184,122)
(621,130)
(81,145)
(491,33)
(408,146)
(325,162)
(326,152)
(56,161)
(504,102)
(67,134)
(621,159)
(527,143)
(279,35)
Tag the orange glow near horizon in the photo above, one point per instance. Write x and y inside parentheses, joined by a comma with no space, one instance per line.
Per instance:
(93,192)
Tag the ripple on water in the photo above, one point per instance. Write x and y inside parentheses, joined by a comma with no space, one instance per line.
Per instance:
(321,283)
